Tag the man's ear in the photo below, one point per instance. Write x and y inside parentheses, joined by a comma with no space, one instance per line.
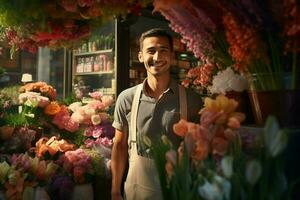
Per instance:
(141,59)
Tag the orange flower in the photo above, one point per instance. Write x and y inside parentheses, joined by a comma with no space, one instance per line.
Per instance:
(53,108)
(41,87)
(233,123)
(52,145)
(201,150)
(181,128)
(244,42)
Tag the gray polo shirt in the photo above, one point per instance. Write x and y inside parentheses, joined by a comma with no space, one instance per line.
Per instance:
(155,117)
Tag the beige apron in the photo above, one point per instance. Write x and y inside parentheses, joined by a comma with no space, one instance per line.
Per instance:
(142,181)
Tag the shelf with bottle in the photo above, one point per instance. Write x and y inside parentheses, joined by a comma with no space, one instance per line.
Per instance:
(94,45)
(94,64)
(106,91)
(93,73)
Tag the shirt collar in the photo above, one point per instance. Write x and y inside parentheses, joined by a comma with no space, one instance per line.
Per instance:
(172,86)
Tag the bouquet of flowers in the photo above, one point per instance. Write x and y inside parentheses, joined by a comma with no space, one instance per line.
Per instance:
(52,146)
(215,162)
(81,164)
(259,40)
(38,171)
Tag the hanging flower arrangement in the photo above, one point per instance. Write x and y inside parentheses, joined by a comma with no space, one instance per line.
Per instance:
(60,23)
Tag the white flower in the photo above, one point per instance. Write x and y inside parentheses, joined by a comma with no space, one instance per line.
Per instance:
(275,139)
(227,80)
(77,117)
(226,165)
(107,100)
(33,99)
(96,119)
(89,111)
(218,189)
(75,106)
(253,171)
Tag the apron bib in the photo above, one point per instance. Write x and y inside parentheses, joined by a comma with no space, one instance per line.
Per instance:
(142,182)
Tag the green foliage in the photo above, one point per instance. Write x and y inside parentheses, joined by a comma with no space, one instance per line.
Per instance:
(70,99)
(77,138)
(2,71)
(15,120)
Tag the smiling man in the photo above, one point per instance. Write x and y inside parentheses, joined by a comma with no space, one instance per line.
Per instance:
(148,109)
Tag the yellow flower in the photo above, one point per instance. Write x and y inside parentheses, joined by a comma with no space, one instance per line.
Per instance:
(227,108)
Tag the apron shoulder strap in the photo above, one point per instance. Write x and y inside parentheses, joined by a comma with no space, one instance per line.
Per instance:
(133,118)
(182,102)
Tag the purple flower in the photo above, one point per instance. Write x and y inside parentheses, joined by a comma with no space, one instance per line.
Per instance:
(104,129)
(61,187)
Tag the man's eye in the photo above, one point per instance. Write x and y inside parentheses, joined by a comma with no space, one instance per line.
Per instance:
(151,51)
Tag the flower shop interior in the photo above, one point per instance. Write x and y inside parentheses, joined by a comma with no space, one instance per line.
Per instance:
(63,64)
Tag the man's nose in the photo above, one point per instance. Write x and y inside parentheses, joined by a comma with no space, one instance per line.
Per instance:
(156,56)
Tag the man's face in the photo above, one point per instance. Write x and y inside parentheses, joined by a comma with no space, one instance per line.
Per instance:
(156,55)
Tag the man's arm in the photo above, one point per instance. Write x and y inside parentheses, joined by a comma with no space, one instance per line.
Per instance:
(119,161)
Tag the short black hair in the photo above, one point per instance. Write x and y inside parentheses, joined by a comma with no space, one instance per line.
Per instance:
(156,32)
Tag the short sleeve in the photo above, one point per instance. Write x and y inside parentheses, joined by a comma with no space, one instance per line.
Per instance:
(120,121)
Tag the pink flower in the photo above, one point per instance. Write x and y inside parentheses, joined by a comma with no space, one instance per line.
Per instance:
(95,105)
(72,126)
(96,95)
(89,143)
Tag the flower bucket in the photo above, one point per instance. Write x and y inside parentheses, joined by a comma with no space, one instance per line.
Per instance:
(83,191)
(271,94)
(283,104)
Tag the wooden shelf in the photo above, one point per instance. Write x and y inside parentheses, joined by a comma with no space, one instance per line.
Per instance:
(94,52)
(93,73)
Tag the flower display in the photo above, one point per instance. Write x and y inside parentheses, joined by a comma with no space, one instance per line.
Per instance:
(63,120)
(18,139)
(50,140)
(63,23)
(78,163)
(39,87)
(212,163)
(259,40)
(39,171)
